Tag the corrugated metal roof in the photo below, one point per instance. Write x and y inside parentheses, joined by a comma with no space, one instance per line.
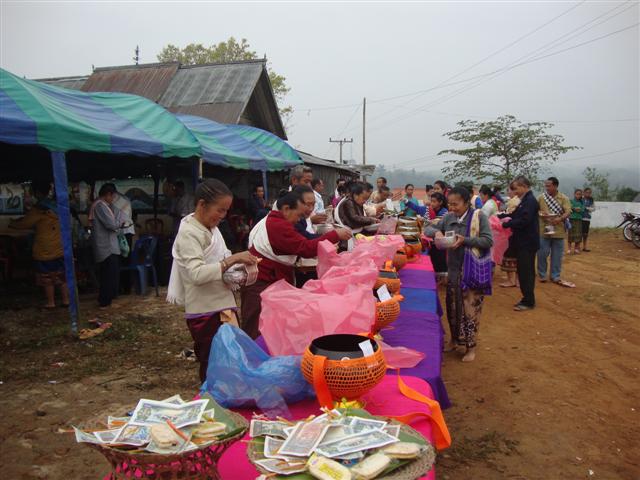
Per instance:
(214,83)
(313,160)
(149,81)
(218,112)
(74,83)
(234,92)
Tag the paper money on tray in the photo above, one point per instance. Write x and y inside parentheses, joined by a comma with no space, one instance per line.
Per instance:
(151,412)
(85,437)
(359,424)
(281,467)
(107,436)
(304,439)
(356,443)
(261,428)
(136,435)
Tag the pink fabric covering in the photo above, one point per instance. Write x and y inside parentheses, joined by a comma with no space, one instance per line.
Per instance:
(292,317)
(378,249)
(500,238)
(422,263)
(384,399)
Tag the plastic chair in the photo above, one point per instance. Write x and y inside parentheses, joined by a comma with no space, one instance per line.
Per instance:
(142,258)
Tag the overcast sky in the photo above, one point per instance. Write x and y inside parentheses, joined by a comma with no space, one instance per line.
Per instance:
(335,54)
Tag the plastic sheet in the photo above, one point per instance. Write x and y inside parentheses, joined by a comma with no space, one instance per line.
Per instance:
(342,279)
(400,357)
(292,317)
(500,238)
(379,249)
(241,374)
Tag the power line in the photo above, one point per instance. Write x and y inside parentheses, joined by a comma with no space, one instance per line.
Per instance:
(486,117)
(353,115)
(445,83)
(600,154)
(513,64)
(498,72)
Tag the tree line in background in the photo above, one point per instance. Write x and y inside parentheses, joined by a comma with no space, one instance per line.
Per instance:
(494,152)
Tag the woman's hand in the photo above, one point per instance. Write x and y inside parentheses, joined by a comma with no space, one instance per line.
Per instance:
(459,241)
(439,234)
(343,233)
(246,258)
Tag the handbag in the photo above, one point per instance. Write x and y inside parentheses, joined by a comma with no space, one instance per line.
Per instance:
(124,245)
(477,270)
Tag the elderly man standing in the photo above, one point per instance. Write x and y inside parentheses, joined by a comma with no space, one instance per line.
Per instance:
(303,175)
(376,197)
(318,188)
(555,209)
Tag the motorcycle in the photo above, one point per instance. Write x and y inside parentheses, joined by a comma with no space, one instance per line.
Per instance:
(630,221)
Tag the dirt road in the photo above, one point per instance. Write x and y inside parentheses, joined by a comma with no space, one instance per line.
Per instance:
(553,394)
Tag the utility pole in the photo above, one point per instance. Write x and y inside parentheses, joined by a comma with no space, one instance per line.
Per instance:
(364,141)
(341,142)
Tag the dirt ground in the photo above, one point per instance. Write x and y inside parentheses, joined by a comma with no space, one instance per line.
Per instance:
(553,394)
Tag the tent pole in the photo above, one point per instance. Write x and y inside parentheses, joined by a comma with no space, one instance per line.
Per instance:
(264,184)
(59,164)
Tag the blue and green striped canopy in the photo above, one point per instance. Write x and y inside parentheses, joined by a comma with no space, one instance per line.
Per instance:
(60,120)
(239,146)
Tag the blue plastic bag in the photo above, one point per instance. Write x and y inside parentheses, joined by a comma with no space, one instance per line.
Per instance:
(241,374)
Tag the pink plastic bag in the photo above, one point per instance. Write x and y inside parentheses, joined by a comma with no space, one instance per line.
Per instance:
(400,357)
(340,279)
(292,317)
(500,238)
(378,248)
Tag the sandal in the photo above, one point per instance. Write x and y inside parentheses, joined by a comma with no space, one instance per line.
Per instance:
(565,283)
(508,285)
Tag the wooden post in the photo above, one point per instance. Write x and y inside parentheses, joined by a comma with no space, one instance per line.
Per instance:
(59,165)
(364,120)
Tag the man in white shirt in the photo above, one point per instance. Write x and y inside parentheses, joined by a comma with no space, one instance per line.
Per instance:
(125,217)
(318,188)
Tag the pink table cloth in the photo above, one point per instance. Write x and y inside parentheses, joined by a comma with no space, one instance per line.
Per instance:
(385,399)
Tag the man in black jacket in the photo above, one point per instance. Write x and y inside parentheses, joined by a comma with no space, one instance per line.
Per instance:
(525,239)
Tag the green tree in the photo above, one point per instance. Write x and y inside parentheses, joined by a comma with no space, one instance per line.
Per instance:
(229,51)
(501,149)
(599,183)
(626,194)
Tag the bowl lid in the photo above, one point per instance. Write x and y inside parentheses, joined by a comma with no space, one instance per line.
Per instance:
(341,345)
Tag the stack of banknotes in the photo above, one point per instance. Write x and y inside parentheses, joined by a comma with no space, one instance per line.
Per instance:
(332,446)
(170,426)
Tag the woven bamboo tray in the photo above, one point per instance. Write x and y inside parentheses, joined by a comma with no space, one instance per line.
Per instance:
(198,464)
(411,470)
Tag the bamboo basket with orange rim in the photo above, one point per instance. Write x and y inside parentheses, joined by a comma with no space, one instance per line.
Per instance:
(343,377)
(389,277)
(387,312)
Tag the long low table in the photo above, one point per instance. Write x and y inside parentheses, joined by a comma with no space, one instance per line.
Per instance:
(384,400)
(419,327)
